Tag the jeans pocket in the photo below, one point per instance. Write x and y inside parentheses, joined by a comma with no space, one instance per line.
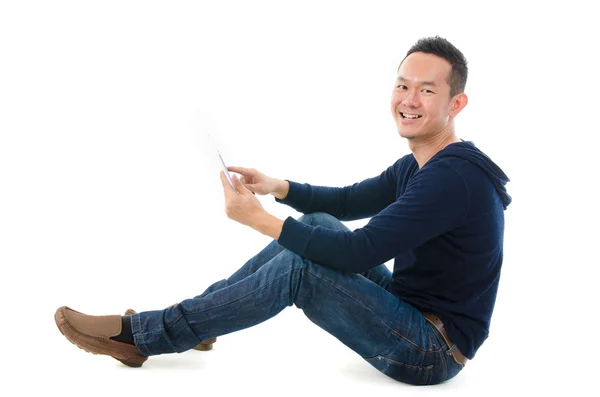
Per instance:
(406,373)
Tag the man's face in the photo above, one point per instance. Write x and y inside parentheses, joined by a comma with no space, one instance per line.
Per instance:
(421,100)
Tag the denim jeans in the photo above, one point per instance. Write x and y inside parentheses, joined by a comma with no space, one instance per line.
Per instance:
(356,308)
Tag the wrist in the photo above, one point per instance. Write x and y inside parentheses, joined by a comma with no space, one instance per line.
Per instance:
(282,189)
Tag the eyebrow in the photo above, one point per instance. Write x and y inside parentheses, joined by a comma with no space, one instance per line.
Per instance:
(431,83)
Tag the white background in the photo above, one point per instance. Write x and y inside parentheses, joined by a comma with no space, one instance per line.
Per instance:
(110,197)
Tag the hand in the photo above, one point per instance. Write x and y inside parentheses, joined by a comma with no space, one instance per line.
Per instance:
(255,181)
(241,206)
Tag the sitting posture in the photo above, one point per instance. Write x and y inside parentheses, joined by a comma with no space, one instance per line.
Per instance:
(438,212)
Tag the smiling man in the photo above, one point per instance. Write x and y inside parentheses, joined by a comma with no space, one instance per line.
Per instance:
(438,212)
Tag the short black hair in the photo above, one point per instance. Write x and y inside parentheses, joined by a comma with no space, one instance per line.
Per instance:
(444,49)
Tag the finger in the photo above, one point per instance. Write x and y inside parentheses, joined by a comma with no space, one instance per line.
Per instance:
(238,185)
(239,170)
(246,184)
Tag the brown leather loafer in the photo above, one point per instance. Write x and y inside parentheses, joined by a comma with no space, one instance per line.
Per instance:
(205,345)
(92,334)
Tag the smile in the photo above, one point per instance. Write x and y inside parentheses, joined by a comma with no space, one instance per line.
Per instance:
(410,116)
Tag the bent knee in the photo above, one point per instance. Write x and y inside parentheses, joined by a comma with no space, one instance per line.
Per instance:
(322,219)
(291,260)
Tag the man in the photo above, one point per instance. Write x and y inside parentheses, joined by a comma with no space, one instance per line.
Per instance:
(439,212)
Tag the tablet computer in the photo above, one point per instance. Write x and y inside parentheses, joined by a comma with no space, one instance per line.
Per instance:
(224,167)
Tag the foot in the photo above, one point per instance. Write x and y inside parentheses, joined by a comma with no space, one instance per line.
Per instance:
(93,333)
(205,345)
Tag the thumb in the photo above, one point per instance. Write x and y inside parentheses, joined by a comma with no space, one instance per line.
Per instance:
(248,186)
(238,185)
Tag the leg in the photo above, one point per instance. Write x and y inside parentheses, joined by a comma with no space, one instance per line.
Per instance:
(380,274)
(390,334)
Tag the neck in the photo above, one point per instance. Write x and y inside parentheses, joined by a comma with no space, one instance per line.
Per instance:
(423,149)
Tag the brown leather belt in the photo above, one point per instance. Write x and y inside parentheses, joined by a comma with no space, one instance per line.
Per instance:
(437,323)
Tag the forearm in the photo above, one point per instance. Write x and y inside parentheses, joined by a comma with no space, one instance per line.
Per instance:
(282,189)
(268,225)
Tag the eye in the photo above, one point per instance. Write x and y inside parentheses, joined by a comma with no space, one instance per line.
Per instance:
(402,87)
(428,91)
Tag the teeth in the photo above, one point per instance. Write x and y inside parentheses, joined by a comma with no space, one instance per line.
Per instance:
(410,116)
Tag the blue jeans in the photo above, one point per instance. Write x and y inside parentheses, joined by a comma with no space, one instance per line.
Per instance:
(357,309)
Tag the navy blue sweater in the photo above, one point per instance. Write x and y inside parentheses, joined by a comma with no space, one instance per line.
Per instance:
(443,224)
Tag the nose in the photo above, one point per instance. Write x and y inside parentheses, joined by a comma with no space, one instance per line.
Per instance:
(411,99)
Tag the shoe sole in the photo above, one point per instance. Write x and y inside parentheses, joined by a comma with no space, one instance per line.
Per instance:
(59,318)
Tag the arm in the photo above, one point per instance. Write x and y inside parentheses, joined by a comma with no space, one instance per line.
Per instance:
(268,225)
(281,190)
(360,200)
(434,202)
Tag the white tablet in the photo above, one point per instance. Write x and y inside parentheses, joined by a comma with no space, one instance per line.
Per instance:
(223,166)
(225,170)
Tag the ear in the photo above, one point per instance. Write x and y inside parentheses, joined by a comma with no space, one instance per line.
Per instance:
(458,103)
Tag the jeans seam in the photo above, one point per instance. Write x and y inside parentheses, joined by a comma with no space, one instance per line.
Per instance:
(414,345)
(142,343)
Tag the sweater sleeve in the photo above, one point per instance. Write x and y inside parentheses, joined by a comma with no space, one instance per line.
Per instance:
(434,202)
(358,201)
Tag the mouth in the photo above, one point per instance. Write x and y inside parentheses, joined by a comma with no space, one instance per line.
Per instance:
(410,116)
